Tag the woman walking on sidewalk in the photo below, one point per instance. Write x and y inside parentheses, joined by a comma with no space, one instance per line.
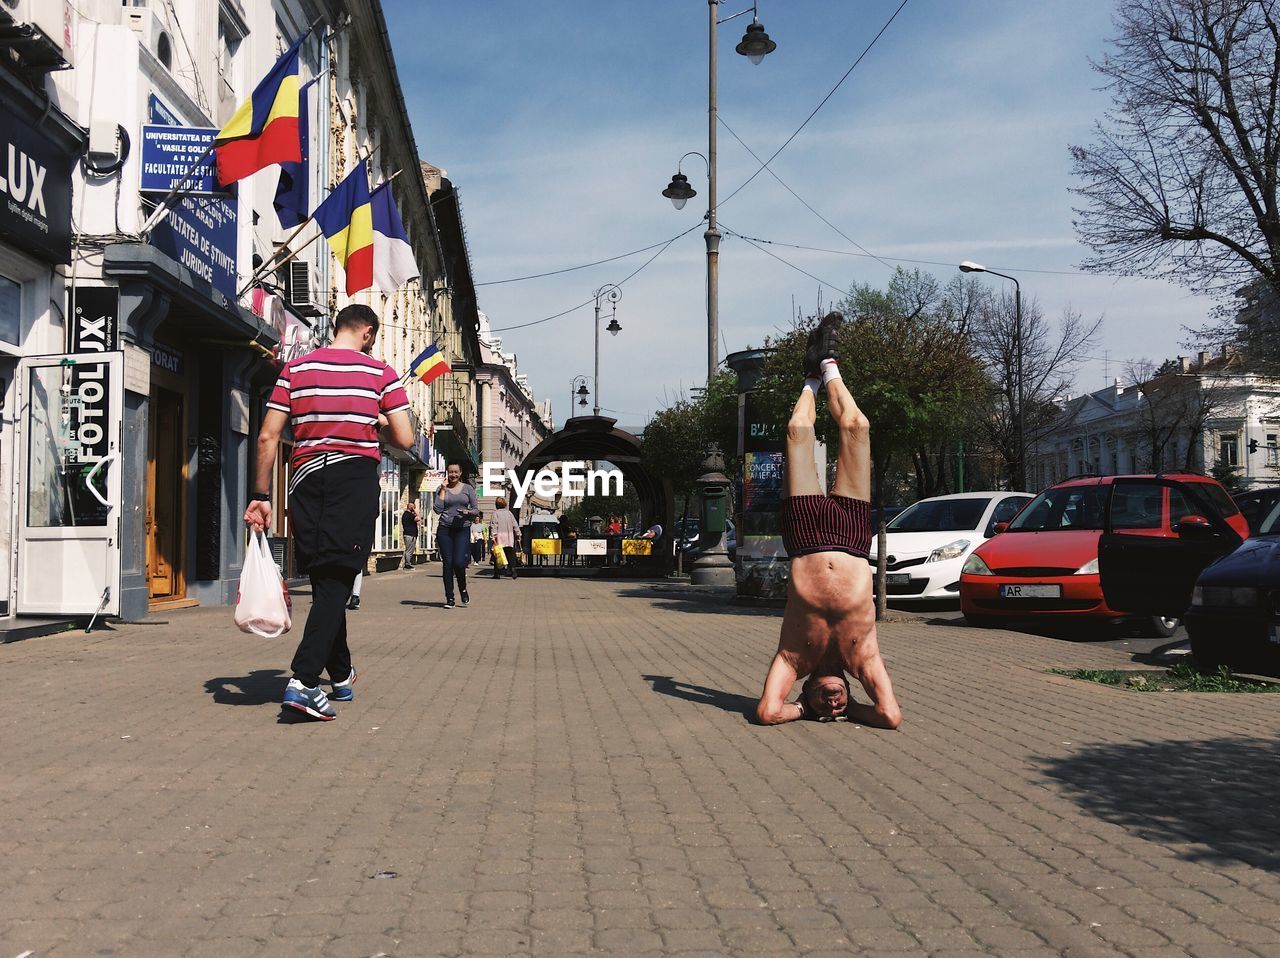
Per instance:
(505,535)
(457,506)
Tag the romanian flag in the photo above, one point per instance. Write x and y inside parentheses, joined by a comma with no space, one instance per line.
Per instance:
(346,220)
(429,365)
(265,128)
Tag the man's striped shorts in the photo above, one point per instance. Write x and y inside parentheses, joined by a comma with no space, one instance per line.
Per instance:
(826,524)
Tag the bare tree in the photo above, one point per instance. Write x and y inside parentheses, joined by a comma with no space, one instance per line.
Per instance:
(1177,403)
(1181,181)
(1049,359)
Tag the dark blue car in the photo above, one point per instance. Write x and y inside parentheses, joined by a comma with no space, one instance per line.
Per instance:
(1226,589)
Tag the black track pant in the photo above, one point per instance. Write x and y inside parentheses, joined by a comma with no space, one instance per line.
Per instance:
(324,640)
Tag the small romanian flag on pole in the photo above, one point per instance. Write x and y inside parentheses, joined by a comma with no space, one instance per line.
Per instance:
(265,128)
(346,220)
(429,365)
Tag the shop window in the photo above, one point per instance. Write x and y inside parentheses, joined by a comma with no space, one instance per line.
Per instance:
(10,311)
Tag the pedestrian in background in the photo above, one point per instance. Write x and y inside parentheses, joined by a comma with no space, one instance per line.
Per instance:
(456,505)
(506,536)
(409,529)
(339,401)
(479,538)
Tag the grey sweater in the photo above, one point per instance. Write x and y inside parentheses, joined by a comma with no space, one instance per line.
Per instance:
(453,503)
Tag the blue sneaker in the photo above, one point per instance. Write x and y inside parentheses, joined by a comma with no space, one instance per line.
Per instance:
(311,701)
(342,691)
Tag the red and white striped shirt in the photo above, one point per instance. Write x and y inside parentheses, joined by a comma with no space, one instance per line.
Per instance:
(333,397)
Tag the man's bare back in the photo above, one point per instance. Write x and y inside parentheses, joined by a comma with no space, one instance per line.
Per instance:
(829,624)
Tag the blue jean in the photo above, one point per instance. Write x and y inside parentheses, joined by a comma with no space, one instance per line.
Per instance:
(455,555)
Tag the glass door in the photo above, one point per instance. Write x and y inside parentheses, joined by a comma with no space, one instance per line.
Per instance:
(70,413)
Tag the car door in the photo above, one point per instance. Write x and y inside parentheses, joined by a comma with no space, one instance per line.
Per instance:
(1153,574)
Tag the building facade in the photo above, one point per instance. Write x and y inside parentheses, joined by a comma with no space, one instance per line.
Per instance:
(136,352)
(1190,414)
(510,420)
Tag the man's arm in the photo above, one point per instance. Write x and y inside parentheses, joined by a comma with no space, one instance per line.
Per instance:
(773,707)
(396,430)
(258,514)
(866,665)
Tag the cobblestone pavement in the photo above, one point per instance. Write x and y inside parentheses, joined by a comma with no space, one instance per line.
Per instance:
(565,767)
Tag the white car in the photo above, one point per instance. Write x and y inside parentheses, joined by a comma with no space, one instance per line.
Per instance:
(929,541)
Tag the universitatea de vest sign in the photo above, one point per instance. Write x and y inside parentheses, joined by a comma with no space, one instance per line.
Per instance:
(35,188)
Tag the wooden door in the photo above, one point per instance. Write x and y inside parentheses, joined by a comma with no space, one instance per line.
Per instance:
(165,482)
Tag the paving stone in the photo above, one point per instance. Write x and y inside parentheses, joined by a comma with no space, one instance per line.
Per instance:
(604,811)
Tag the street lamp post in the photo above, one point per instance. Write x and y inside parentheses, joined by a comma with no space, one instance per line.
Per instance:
(610,294)
(1020,468)
(580,382)
(755,45)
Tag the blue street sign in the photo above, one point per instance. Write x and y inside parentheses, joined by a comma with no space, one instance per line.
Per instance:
(167,155)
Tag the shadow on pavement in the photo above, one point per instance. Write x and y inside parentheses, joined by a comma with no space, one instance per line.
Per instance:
(742,705)
(424,605)
(1049,628)
(259,687)
(1219,794)
(686,599)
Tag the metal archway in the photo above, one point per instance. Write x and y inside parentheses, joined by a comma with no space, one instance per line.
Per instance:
(597,437)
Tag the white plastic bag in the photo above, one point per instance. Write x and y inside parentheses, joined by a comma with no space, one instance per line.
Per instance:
(262,606)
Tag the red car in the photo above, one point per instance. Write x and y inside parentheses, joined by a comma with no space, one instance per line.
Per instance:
(1045,562)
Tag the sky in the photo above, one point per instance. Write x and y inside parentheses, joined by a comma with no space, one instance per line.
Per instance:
(561,122)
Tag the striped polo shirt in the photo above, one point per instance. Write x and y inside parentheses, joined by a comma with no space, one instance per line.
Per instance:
(333,397)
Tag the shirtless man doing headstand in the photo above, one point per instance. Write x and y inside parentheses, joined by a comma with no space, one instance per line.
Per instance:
(829,626)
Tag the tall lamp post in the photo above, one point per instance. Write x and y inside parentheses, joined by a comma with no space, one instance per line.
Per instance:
(755,45)
(1020,469)
(605,294)
(580,392)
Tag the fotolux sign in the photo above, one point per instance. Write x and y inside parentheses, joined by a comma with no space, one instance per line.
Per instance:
(35,189)
(94,322)
(573,481)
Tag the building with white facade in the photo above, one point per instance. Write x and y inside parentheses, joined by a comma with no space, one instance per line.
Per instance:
(1193,413)
(135,366)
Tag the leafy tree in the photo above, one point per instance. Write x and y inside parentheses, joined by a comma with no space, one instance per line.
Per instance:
(1181,181)
(1230,477)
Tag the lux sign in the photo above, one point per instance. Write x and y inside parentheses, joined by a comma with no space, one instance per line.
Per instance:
(24,180)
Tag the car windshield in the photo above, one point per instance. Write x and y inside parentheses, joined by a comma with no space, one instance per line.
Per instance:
(940,515)
(1271,524)
(1068,507)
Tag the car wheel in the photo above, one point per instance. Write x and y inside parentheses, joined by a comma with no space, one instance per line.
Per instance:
(1161,627)
(982,621)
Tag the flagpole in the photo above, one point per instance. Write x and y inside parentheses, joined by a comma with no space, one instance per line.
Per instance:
(275,262)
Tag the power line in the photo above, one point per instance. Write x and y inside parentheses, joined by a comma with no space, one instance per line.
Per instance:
(801,198)
(820,105)
(571,309)
(784,262)
(599,262)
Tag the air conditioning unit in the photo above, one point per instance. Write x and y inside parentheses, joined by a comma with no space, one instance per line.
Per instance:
(302,289)
(39,31)
(151,32)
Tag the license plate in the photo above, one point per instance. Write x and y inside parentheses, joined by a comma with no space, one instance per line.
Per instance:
(1035,591)
(897,578)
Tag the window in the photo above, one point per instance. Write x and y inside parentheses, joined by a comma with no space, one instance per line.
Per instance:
(10,311)
(164,50)
(1137,507)
(1273,453)
(1229,449)
(940,515)
(1070,507)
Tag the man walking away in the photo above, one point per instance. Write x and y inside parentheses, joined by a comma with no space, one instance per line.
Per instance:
(409,529)
(339,400)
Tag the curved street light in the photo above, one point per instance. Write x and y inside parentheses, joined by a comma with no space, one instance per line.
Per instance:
(610,293)
(582,392)
(1020,469)
(755,45)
